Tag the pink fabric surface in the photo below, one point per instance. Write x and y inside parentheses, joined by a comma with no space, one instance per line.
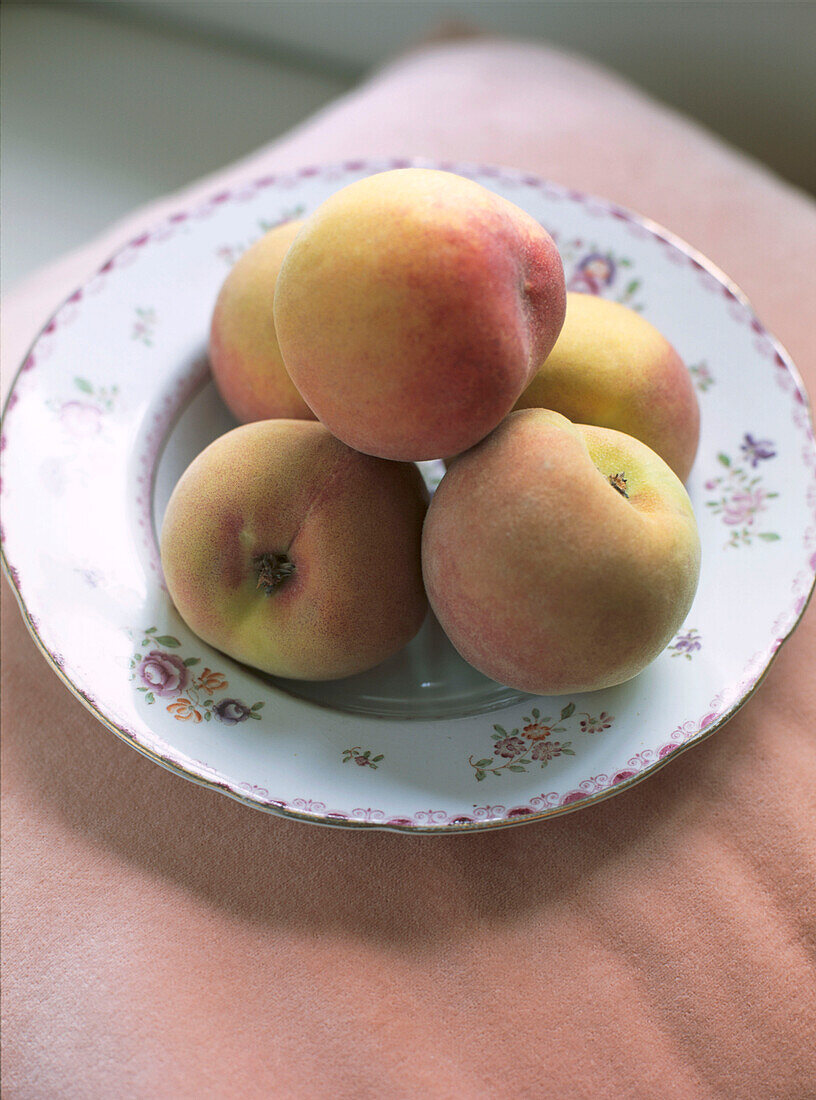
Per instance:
(163,941)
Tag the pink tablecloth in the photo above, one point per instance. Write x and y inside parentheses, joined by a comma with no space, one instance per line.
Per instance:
(163,941)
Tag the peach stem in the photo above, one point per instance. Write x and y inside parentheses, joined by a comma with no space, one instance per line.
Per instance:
(618,481)
(273,569)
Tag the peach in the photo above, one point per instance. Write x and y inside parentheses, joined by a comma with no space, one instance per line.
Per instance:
(413,308)
(246,362)
(560,557)
(293,553)
(612,368)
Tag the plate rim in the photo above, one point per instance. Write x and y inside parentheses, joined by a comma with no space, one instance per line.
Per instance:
(490,171)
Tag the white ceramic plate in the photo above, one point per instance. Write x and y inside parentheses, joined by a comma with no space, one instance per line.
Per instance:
(114,400)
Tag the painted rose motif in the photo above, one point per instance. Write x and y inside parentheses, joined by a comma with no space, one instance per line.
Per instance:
(81,419)
(591,271)
(163,674)
(166,675)
(742,496)
(593,274)
(744,506)
(231,711)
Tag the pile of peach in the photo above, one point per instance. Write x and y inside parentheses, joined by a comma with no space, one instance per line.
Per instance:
(416,315)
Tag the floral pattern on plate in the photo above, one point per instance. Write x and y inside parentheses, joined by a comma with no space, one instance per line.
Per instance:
(83,416)
(117,429)
(589,269)
(685,643)
(702,376)
(742,494)
(144,326)
(362,757)
(529,743)
(165,675)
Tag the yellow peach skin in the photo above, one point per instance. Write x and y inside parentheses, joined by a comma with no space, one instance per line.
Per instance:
(293,553)
(245,357)
(559,557)
(413,308)
(612,368)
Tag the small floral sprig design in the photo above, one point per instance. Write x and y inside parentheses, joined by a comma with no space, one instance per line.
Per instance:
(591,270)
(589,724)
(229,253)
(104,396)
(362,758)
(82,417)
(686,643)
(518,749)
(703,378)
(756,450)
(166,675)
(742,496)
(143,326)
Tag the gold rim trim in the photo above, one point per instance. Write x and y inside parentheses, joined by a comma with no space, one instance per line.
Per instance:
(229,789)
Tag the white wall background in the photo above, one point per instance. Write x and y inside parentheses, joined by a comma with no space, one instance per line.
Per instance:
(105,105)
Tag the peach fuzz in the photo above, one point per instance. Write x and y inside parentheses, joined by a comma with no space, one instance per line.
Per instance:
(413,308)
(558,557)
(245,358)
(293,553)
(612,368)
